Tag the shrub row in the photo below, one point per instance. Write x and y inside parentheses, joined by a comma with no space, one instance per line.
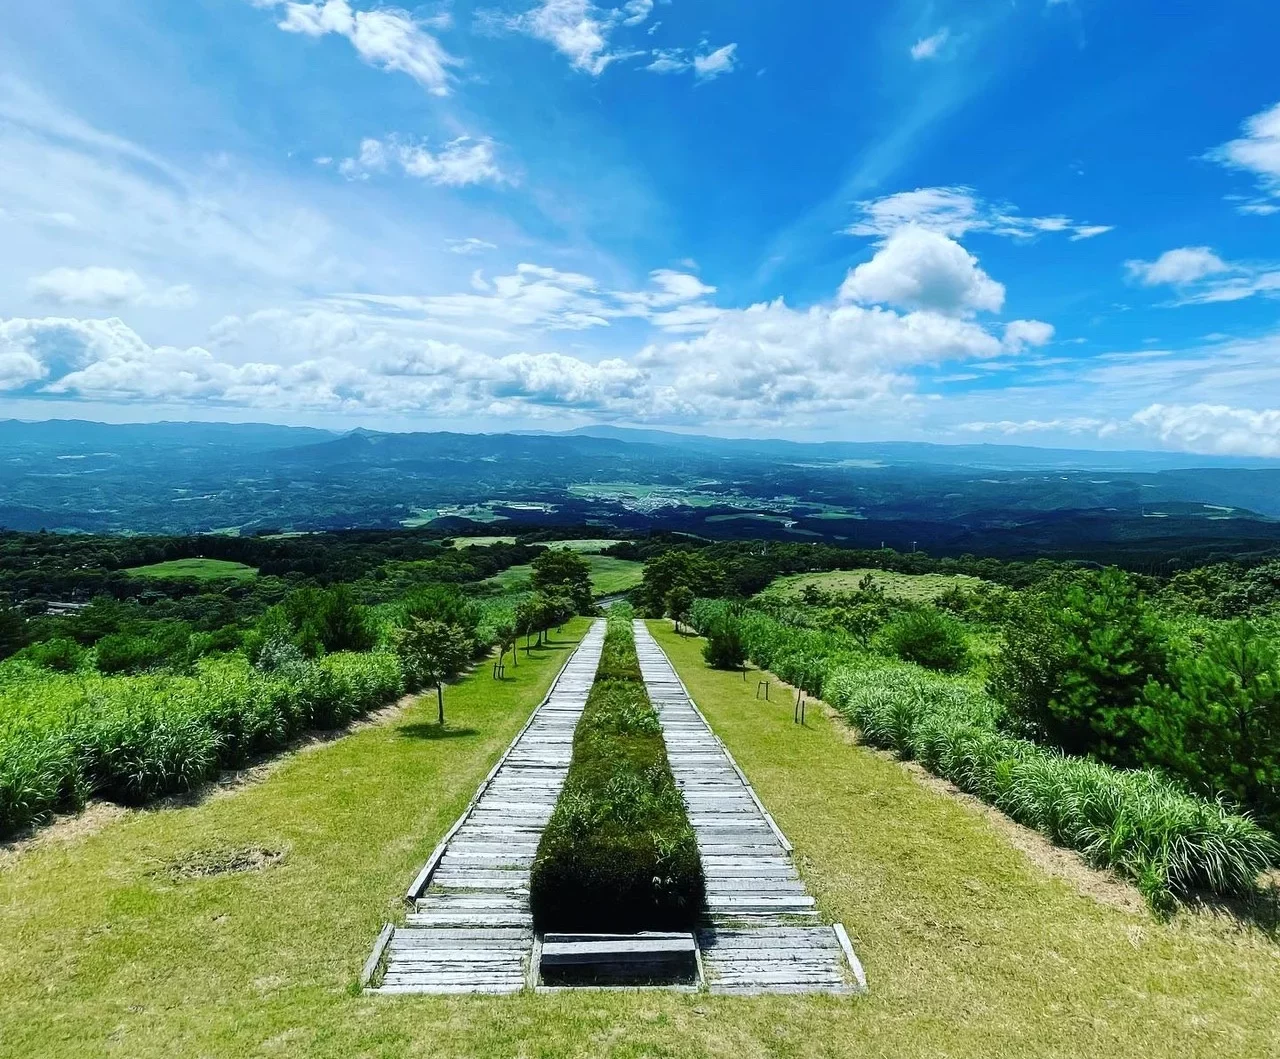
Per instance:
(618,854)
(64,738)
(1138,823)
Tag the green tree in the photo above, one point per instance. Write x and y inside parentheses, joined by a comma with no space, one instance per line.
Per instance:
(326,620)
(1076,662)
(432,653)
(928,637)
(679,568)
(1216,723)
(505,634)
(13,630)
(725,648)
(678,603)
(564,572)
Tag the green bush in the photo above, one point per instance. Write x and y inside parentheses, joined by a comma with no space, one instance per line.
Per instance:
(928,637)
(618,854)
(65,737)
(1137,823)
(725,648)
(1076,663)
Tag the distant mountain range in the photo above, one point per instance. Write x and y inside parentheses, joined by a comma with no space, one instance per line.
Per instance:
(243,478)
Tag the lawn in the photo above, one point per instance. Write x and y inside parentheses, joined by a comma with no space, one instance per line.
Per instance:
(916,588)
(111,949)
(608,575)
(969,948)
(196,569)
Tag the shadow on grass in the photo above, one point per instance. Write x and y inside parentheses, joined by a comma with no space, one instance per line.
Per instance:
(433,731)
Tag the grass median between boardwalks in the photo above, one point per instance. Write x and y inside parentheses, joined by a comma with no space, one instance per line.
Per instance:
(618,854)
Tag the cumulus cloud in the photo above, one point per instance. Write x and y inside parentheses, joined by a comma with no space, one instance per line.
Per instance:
(1256,151)
(433,354)
(958,210)
(384,37)
(1214,428)
(458,163)
(917,268)
(106,287)
(929,47)
(1019,334)
(1183,265)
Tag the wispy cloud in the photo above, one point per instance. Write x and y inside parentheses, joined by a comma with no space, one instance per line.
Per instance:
(470,245)
(958,210)
(1256,151)
(930,47)
(1201,277)
(459,162)
(384,37)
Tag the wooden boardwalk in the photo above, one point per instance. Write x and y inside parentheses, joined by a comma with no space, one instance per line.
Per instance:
(470,928)
(762,933)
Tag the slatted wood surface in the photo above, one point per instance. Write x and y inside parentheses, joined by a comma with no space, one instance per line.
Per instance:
(762,933)
(471,930)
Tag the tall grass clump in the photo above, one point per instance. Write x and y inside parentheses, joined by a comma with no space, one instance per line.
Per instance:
(619,854)
(1136,822)
(65,737)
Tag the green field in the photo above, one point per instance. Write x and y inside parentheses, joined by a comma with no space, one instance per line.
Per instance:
(608,575)
(197,569)
(482,542)
(917,588)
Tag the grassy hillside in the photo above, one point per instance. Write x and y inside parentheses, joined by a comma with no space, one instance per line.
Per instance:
(197,569)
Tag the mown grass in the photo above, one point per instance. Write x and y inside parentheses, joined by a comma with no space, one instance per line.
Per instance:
(972,953)
(970,949)
(914,588)
(196,570)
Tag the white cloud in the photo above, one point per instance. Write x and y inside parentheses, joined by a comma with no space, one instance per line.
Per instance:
(706,65)
(1214,428)
(577,29)
(636,11)
(408,354)
(460,162)
(97,286)
(470,245)
(1019,334)
(1183,265)
(713,64)
(384,37)
(1257,152)
(917,268)
(1068,425)
(928,47)
(1201,277)
(957,211)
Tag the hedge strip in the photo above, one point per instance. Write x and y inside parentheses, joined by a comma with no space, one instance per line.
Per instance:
(619,854)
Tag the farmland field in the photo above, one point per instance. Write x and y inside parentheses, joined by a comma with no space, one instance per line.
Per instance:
(911,587)
(197,569)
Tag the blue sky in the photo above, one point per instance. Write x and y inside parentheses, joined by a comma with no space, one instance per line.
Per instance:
(1043,221)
